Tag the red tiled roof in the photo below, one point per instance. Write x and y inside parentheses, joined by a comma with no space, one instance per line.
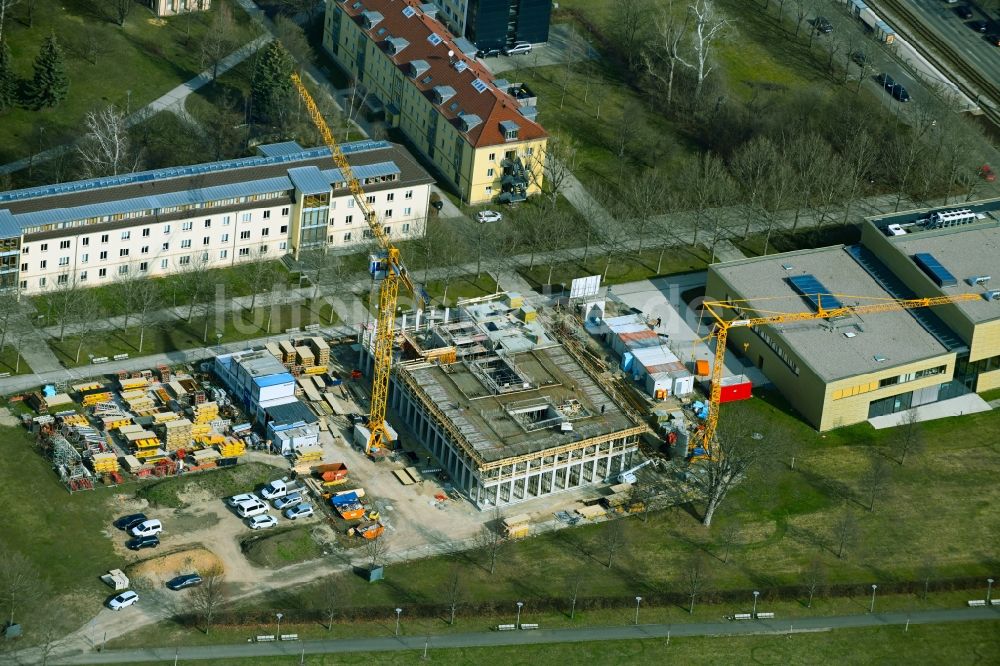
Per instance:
(492,106)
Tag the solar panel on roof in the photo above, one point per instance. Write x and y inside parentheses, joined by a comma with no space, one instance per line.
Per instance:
(434,39)
(814,291)
(928,264)
(479,85)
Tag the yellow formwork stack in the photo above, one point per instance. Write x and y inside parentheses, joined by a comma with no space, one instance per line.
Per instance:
(163,417)
(105,463)
(144,443)
(133,384)
(209,439)
(305,357)
(116,422)
(177,434)
(75,420)
(206,412)
(308,454)
(92,399)
(138,400)
(232,447)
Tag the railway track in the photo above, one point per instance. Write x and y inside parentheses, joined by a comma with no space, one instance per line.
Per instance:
(972,82)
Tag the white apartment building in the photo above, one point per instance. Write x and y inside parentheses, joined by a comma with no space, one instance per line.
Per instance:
(284,201)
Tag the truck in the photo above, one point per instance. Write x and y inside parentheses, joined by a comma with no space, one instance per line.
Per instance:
(279,488)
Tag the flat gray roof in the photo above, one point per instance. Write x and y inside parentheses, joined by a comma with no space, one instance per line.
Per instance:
(966,252)
(822,344)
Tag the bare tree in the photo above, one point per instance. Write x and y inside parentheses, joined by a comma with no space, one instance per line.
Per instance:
(5,6)
(257,275)
(332,594)
(696,578)
(642,200)
(555,170)
(708,26)
(813,578)
(207,598)
(663,52)
(145,300)
(909,435)
(626,132)
(106,149)
(730,537)
(741,444)
(120,9)
(87,314)
(294,39)
(927,571)
(219,40)
(19,580)
(631,16)
(194,283)
(454,591)
(573,587)
(876,478)
(613,538)
(845,531)
(802,8)
(502,243)
(376,551)
(752,165)
(10,308)
(491,540)
(64,301)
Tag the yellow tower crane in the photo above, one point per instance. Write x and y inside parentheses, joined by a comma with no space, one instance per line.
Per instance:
(743,315)
(388,263)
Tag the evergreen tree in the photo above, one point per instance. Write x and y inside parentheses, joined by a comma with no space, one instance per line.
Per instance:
(50,84)
(271,87)
(8,80)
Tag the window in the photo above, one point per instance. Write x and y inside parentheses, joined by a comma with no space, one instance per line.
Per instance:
(530,152)
(223,254)
(284,211)
(208,223)
(144,250)
(347,237)
(204,256)
(265,231)
(284,229)
(282,245)
(407,211)
(45,246)
(246,217)
(123,252)
(207,240)
(123,269)
(24,284)
(406,228)
(102,273)
(143,266)
(489,173)
(84,242)
(64,261)
(187,226)
(41,282)
(225,238)
(349,219)
(44,263)
(225,221)
(387,229)
(83,276)
(62,279)
(408,195)
(186,243)
(493,157)
(164,263)
(390,196)
(24,268)
(489,190)
(388,213)
(145,232)
(267,214)
(166,246)
(263,249)
(244,252)
(370,199)
(84,258)
(185,260)
(104,239)
(64,245)
(244,235)
(350,203)
(24,250)
(126,235)
(166,228)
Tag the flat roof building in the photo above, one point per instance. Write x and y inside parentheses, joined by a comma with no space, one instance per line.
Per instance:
(847,369)
(508,411)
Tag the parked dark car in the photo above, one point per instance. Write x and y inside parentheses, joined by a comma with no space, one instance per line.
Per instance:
(437,204)
(885,81)
(487,53)
(994,40)
(129,521)
(185,581)
(899,92)
(979,26)
(964,12)
(138,543)
(822,24)
(859,58)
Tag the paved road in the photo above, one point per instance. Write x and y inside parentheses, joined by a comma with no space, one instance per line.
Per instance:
(967,42)
(485,639)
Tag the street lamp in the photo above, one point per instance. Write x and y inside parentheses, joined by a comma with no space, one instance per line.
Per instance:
(218,341)
(398,611)
(756,594)
(279,616)
(518,622)
(637,600)
(872,609)
(989,588)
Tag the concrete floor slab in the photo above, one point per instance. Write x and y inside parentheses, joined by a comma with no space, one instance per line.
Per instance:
(963,404)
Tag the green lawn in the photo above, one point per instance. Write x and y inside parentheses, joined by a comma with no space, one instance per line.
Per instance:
(282,547)
(148,57)
(9,362)
(466,286)
(622,267)
(220,483)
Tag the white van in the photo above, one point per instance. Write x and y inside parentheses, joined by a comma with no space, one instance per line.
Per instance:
(251,508)
(147,528)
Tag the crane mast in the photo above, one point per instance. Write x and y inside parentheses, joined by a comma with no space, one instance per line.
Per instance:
(389,262)
(722,326)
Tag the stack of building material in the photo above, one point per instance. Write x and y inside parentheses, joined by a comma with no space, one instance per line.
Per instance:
(232,447)
(105,463)
(131,464)
(204,456)
(206,412)
(163,417)
(113,421)
(309,453)
(86,387)
(320,350)
(133,383)
(211,439)
(177,434)
(144,444)
(287,353)
(161,393)
(177,389)
(75,420)
(305,357)
(96,397)
(138,400)
(274,350)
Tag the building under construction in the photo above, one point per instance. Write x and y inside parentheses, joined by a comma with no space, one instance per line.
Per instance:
(507,410)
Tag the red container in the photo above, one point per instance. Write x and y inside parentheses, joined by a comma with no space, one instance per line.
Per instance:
(735,388)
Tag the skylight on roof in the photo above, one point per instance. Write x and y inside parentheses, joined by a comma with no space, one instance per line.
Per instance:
(453,106)
(461,66)
(409,11)
(434,39)
(380,32)
(426,79)
(480,85)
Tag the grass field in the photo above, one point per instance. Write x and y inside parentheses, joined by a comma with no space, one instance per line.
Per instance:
(9,362)
(220,483)
(956,643)
(282,547)
(149,56)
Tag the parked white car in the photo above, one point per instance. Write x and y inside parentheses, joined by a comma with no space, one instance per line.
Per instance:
(262,521)
(239,499)
(147,528)
(123,600)
(251,508)
(485,216)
